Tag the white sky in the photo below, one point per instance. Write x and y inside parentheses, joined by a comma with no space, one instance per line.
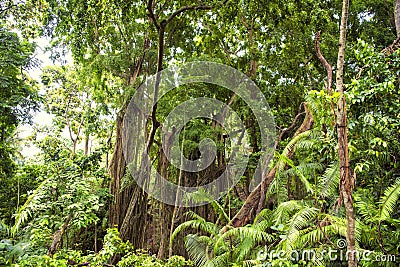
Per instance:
(40,118)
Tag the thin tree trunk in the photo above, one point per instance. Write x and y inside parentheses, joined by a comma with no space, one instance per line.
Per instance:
(397,17)
(95,238)
(57,237)
(176,207)
(74,146)
(87,138)
(346,181)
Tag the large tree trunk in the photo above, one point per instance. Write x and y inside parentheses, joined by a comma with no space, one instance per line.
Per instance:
(117,172)
(346,181)
(129,206)
(165,211)
(128,218)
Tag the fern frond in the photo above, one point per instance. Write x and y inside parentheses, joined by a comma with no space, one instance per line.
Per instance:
(307,169)
(203,196)
(338,225)
(281,191)
(264,215)
(388,201)
(242,233)
(330,180)
(263,225)
(220,211)
(272,188)
(284,211)
(219,261)
(299,221)
(365,205)
(315,235)
(4,229)
(24,211)
(298,171)
(196,249)
(291,145)
(198,223)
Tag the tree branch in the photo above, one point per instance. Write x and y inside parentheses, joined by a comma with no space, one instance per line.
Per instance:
(325,63)
(58,236)
(280,137)
(68,122)
(7,8)
(392,48)
(183,9)
(246,213)
(151,14)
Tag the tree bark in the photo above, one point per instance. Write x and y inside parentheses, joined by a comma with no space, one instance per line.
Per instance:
(128,219)
(57,237)
(176,207)
(87,137)
(397,17)
(324,62)
(346,181)
(165,211)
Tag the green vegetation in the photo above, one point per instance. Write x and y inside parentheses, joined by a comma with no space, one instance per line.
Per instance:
(334,175)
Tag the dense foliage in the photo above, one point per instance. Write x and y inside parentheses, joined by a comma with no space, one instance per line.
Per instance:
(74,203)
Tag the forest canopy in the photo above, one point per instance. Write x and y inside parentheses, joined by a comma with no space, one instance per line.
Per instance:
(291,109)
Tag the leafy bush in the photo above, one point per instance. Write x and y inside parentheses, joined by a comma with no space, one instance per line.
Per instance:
(113,248)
